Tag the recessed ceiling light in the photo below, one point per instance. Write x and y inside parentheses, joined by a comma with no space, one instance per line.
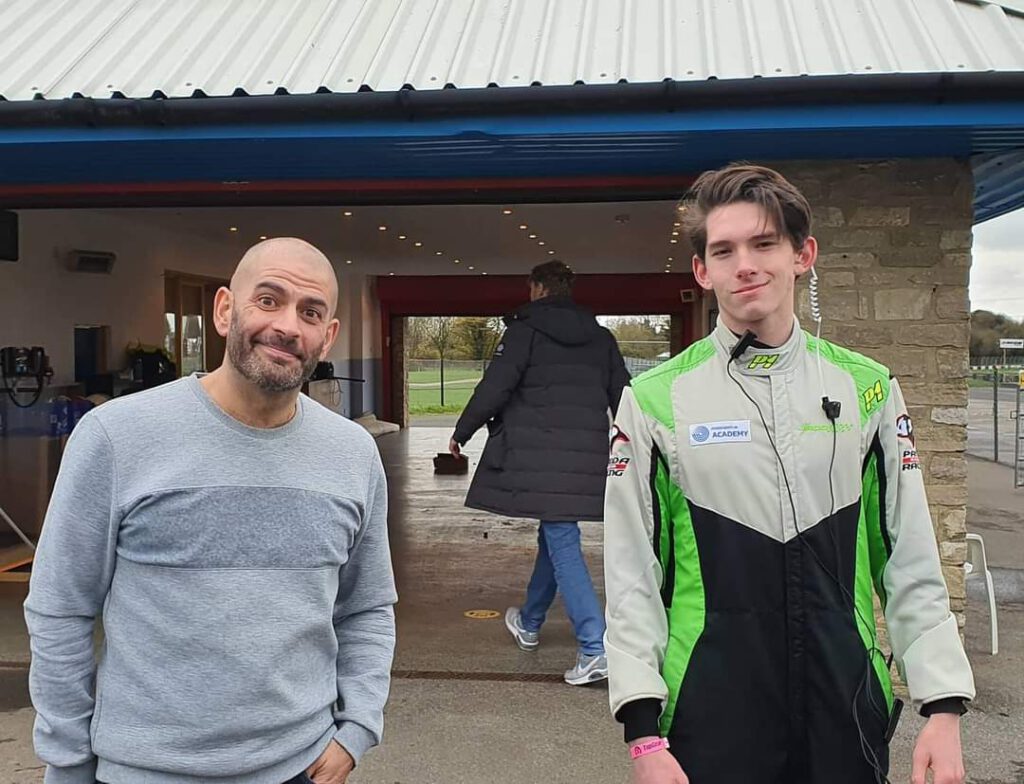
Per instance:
(483,273)
(418,244)
(668,271)
(541,242)
(673,241)
(348,261)
(671,259)
(532,236)
(523,226)
(551,253)
(675,233)
(471,267)
(233,228)
(347,213)
(457,261)
(382,228)
(263,236)
(401,236)
(506,211)
(677,224)
(391,273)
(438,252)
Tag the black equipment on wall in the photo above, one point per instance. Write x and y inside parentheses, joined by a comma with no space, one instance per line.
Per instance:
(18,363)
(8,235)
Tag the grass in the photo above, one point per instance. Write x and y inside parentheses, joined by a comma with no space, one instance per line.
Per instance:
(1009,379)
(450,374)
(428,401)
(458,388)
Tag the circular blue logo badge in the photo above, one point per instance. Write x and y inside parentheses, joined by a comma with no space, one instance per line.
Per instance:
(701,434)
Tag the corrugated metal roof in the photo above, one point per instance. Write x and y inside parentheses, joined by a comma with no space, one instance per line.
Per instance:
(182,48)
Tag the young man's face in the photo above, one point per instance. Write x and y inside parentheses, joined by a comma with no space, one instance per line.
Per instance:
(751,266)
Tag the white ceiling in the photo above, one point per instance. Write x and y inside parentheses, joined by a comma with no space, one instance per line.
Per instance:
(598,237)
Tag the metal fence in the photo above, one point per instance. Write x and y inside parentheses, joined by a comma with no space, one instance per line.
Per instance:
(636,365)
(414,365)
(994,413)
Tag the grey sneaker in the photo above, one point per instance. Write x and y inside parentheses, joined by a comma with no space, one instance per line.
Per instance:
(588,669)
(527,641)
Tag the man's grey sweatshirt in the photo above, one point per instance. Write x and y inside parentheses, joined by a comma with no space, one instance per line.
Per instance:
(246,589)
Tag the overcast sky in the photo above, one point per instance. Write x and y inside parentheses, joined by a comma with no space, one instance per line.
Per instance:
(997,269)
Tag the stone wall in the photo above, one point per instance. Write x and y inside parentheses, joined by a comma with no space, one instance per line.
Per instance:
(895,244)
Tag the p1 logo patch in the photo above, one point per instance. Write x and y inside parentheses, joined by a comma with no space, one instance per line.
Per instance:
(763,362)
(873,396)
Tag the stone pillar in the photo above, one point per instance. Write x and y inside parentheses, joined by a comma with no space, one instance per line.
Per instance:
(895,239)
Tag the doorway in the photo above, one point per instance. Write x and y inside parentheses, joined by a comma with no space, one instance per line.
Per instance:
(189,336)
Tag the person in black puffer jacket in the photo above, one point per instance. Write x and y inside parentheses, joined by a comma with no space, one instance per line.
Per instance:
(545,399)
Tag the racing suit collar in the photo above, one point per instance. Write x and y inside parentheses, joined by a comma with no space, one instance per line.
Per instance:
(756,361)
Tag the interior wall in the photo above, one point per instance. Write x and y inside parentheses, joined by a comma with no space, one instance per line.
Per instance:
(41,300)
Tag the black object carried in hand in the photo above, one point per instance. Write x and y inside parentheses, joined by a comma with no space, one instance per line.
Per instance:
(447,463)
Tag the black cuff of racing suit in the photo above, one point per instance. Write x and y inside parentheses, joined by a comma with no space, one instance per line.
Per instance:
(640,719)
(946,705)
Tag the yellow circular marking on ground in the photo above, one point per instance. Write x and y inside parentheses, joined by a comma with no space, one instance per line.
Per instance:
(482,615)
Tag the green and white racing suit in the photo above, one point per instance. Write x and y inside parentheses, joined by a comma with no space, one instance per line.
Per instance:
(724,557)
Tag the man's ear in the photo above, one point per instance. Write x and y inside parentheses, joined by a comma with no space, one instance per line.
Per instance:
(700,272)
(223,302)
(332,334)
(806,257)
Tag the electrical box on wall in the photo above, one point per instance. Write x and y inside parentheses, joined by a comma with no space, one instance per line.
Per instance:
(93,261)
(8,235)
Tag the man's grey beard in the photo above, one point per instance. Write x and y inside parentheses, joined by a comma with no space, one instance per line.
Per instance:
(260,371)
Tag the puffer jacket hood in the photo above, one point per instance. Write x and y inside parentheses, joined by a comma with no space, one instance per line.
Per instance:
(560,319)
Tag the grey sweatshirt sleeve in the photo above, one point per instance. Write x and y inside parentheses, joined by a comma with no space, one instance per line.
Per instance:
(70,579)
(364,621)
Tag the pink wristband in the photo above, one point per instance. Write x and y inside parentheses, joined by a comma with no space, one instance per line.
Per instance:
(649,747)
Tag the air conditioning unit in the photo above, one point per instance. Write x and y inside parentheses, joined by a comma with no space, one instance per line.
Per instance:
(94,261)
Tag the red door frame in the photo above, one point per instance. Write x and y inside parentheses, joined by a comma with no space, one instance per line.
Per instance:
(497,295)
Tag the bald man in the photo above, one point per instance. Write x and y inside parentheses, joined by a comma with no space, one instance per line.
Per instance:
(233,534)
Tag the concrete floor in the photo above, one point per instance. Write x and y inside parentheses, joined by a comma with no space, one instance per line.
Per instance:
(468,707)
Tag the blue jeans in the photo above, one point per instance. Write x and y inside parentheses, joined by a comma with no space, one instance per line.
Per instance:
(560,567)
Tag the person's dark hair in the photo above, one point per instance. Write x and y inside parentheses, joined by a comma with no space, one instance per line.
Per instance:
(554,276)
(783,204)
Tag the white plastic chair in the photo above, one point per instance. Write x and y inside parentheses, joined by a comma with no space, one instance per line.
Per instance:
(977,563)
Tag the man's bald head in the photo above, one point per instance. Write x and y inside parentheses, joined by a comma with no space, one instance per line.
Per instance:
(278,315)
(291,256)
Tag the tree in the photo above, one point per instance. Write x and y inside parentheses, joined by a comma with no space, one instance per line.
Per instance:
(476,337)
(439,334)
(986,330)
(643,337)
(416,337)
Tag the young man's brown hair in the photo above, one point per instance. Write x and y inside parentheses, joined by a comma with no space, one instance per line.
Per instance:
(554,276)
(785,206)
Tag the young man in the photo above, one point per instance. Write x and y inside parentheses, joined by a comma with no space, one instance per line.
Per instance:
(545,400)
(762,500)
(233,534)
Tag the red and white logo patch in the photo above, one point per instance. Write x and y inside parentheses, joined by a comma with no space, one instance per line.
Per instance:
(905,428)
(617,465)
(910,461)
(618,436)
